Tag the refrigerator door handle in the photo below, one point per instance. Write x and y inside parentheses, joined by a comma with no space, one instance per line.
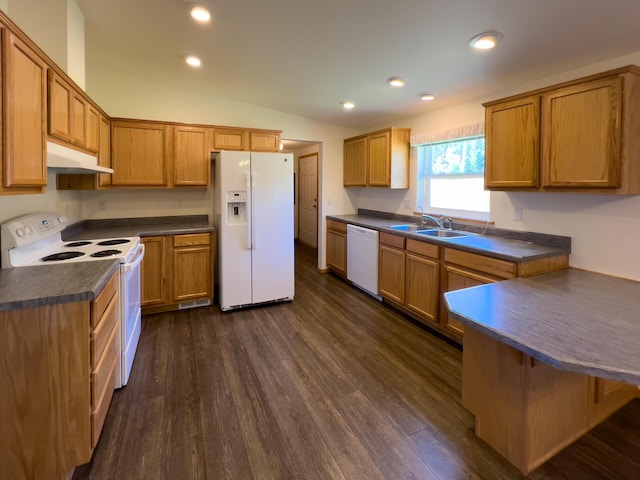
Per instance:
(248,207)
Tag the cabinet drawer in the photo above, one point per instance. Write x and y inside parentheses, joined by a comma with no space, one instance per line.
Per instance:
(392,240)
(102,386)
(336,226)
(422,248)
(102,301)
(101,333)
(493,266)
(191,239)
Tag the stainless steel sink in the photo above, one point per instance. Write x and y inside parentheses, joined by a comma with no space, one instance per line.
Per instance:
(439,232)
(404,228)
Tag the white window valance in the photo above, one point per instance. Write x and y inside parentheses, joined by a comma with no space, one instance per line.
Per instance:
(465,131)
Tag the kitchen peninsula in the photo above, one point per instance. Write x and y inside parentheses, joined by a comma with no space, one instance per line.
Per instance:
(547,358)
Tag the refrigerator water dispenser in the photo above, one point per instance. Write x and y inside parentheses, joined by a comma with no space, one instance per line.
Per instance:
(236,208)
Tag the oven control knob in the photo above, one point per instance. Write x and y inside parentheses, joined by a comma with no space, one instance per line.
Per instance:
(63,219)
(29,230)
(21,232)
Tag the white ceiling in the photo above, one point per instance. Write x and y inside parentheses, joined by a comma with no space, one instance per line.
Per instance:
(304,57)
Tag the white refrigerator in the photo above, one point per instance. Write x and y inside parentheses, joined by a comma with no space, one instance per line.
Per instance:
(253,208)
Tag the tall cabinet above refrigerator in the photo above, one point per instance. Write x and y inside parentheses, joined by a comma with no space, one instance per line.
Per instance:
(253,210)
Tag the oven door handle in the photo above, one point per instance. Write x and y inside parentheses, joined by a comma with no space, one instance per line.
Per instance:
(138,259)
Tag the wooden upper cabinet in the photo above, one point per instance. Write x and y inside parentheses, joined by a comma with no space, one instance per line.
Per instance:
(581,145)
(228,139)
(60,107)
(378,159)
(104,154)
(576,136)
(512,144)
(93,129)
(191,156)
(24,86)
(355,162)
(264,141)
(79,120)
(139,153)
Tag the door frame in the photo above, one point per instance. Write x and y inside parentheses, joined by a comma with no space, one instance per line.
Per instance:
(317,155)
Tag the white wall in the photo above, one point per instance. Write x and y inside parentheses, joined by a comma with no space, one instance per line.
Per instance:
(75,43)
(604,228)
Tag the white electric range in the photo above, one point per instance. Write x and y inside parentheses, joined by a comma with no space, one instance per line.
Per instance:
(36,239)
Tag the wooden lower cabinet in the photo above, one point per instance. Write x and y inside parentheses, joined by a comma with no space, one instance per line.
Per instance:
(57,373)
(391,267)
(177,269)
(421,291)
(337,247)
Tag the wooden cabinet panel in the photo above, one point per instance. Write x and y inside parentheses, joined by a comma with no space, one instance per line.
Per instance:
(93,129)
(139,154)
(422,287)
(79,120)
(191,157)
(379,173)
(492,266)
(581,135)
(355,162)
(606,396)
(60,95)
(191,273)
(24,84)
(228,139)
(154,271)
(512,144)
(102,384)
(391,273)
(104,155)
(337,251)
(264,142)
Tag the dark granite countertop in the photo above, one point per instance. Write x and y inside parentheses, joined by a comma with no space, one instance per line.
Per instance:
(508,245)
(137,227)
(29,287)
(571,319)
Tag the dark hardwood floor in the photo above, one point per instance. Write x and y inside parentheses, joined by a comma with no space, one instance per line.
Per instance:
(333,385)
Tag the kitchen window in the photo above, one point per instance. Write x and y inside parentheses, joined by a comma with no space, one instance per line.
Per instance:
(451,178)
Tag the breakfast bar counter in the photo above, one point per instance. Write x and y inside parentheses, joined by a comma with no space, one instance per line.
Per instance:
(547,358)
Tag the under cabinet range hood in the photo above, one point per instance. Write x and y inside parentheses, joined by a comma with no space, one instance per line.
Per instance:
(62,159)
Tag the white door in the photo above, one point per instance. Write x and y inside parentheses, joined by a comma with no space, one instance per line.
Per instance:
(234,235)
(308,206)
(272,216)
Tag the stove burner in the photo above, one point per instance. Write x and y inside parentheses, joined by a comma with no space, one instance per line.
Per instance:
(61,256)
(116,241)
(78,244)
(106,253)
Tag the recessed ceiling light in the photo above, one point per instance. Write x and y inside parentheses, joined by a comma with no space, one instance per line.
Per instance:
(193,61)
(347,105)
(200,14)
(485,40)
(427,97)
(396,81)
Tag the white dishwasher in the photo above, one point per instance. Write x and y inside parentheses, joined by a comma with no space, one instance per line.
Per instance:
(362,258)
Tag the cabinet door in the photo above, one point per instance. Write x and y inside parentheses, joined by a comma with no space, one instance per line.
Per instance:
(391,273)
(581,145)
(154,273)
(191,157)
(228,139)
(455,278)
(355,162)
(264,142)
(139,154)
(512,144)
(192,273)
(422,277)
(104,155)
(59,111)
(24,162)
(606,396)
(93,129)
(79,120)
(379,172)
(337,252)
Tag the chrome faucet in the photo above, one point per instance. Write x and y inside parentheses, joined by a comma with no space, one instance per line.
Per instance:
(426,217)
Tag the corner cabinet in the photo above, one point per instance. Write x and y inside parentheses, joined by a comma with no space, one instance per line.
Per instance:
(177,271)
(377,159)
(24,163)
(577,136)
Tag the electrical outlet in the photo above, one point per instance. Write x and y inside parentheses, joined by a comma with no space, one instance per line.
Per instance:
(102,205)
(517,214)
